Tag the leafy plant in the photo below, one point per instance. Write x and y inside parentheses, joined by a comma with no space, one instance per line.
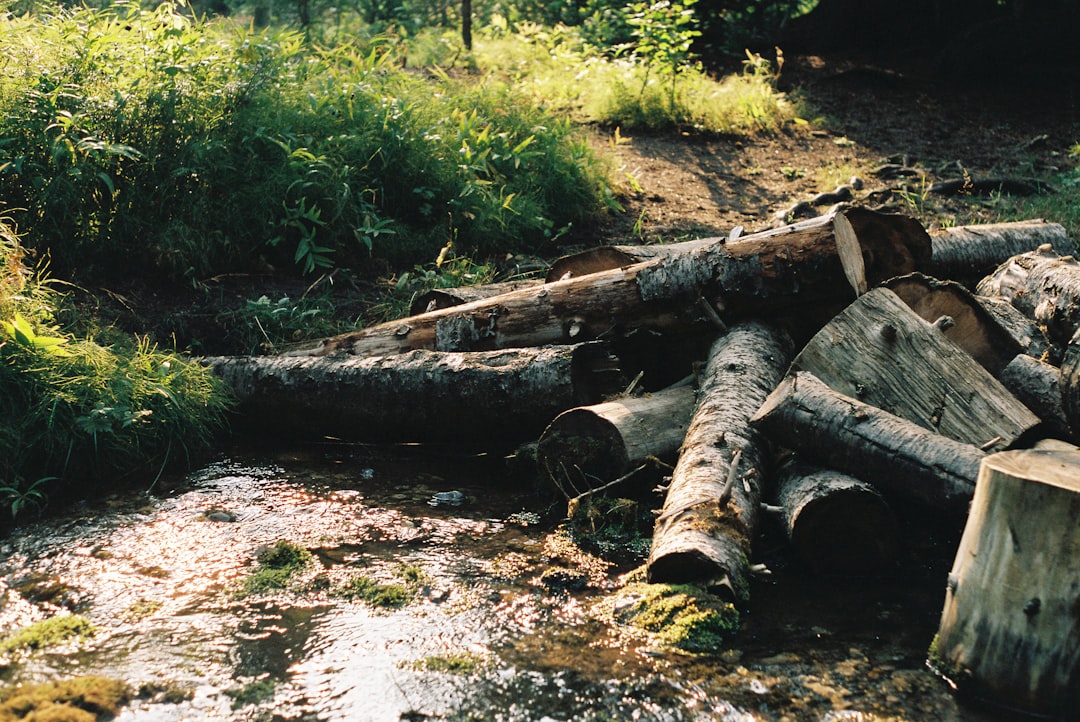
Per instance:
(664,32)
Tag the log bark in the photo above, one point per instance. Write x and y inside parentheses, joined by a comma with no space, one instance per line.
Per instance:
(605,258)
(879,351)
(974,329)
(836,524)
(1010,631)
(1038,386)
(448,297)
(967,253)
(477,399)
(1042,285)
(1070,383)
(711,511)
(832,257)
(1024,331)
(585,447)
(902,459)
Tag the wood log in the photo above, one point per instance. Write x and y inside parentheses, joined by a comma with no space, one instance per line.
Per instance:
(974,329)
(438,298)
(605,258)
(1024,331)
(1037,385)
(1070,383)
(832,257)
(1042,285)
(477,399)
(1010,627)
(899,457)
(967,253)
(712,508)
(836,524)
(587,446)
(879,351)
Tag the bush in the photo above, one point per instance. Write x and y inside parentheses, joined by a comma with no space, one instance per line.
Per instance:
(142,142)
(81,414)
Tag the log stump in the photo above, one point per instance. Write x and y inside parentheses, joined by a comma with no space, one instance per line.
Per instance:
(1010,628)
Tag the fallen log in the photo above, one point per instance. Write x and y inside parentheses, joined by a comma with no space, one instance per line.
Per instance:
(587,446)
(1042,285)
(899,457)
(482,398)
(1010,631)
(710,514)
(1037,385)
(967,253)
(1023,330)
(438,298)
(974,329)
(835,523)
(605,258)
(881,352)
(833,257)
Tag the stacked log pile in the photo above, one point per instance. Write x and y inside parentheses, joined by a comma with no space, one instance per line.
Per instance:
(833,365)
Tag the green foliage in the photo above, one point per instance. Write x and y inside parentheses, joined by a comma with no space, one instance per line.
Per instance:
(260,690)
(148,142)
(263,325)
(663,33)
(79,699)
(48,633)
(78,413)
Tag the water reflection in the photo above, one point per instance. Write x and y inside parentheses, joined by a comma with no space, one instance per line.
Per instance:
(160,576)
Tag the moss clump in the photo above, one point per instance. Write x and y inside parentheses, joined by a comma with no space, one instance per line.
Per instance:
(47,633)
(261,690)
(278,565)
(681,615)
(80,699)
(454,663)
(374,593)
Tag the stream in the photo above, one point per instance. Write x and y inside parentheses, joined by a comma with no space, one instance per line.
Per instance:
(487,632)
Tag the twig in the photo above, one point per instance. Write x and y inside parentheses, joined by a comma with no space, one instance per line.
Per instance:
(733,473)
(712,314)
(608,485)
(634,383)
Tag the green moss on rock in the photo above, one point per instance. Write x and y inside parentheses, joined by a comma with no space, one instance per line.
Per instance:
(47,633)
(679,615)
(80,699)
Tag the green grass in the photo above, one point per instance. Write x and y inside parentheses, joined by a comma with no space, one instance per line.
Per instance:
(82,415)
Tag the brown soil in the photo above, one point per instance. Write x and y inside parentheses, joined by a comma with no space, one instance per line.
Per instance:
(863,116)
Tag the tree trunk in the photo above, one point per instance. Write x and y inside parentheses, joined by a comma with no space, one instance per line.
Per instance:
(481,399)
(1010,631)
(705,528)
(967,253)
(587,446)
(880,352)
(836,523)
(1042,285)
(897,456)
(974,329)
(815,262)
(448,297)
(1038,386)
(466,24)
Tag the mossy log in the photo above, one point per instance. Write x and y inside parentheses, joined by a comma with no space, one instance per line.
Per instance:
(834,257)
(1037,385)
(709,517)
(477,399)
(1044,286)
(1010,627)
(881,352)
(837,524)
(967,253)
(899,457)
(587,446)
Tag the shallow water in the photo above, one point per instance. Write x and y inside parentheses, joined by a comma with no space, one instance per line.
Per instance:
(158,575)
